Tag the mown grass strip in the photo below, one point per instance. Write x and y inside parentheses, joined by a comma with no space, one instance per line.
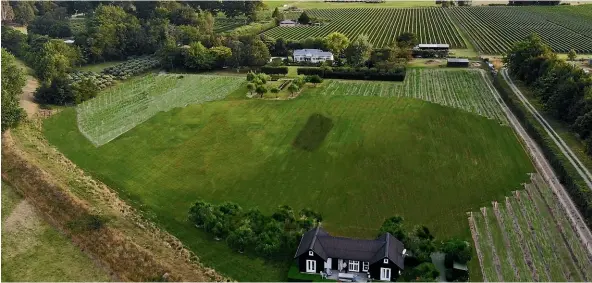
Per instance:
(545,244)
(485,246)
(504,254)
(529,239)
(565,250)
(579,251)
(515,250)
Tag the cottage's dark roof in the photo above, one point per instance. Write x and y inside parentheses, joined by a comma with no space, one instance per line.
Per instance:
(325,246)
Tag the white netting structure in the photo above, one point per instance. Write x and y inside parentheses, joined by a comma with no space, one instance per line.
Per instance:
(127,105)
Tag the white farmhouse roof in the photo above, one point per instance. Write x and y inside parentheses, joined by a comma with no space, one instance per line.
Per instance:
(287,22)
(312,53)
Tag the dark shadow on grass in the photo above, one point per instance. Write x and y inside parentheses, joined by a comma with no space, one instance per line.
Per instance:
(312,135)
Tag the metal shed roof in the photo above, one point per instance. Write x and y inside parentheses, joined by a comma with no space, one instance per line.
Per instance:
(458,60)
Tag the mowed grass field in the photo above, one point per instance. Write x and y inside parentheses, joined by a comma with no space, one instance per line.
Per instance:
(373,157)
(34,251)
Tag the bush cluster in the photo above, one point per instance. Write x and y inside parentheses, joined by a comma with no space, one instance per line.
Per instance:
(101,81)
(250,231)
(397,74)
(132,67)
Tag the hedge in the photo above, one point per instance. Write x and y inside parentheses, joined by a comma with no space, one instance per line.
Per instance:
(355,74)
(273,70)
(579,192)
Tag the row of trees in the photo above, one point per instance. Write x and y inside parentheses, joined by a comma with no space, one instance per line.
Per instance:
(24,12)
(13,80)
(563,89)
(359,52)
(251,231)
(421,244)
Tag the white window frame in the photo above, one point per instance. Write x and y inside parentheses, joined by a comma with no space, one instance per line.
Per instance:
(385,260)
(365,266)
(352,264)
(383,274)
(311,266)
(310,253)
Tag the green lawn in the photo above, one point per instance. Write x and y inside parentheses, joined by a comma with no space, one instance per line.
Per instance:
(34,251)
(375,157)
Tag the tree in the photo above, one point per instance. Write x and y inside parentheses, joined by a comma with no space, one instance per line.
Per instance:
(184,15)
(197,212)
(56,59)
(280,47)
(275,13)
(170,55)
(58,92)
(237,48)
(421,244)
(24,12)
(198,57)
(583,125)
(425,272)
(7,12)
(257,53)
(54,24)
(359,51)
(275,91)
(113,33)
(293,88)
(186,34)
(304,19)
(84,90)
(269,241)
(240,238)
(394,226)
(572,55)
(13,81)
(336,42)
(314,79)
(221,55)
(261,90)
(251,88)
(457,250)
(205,21)
(407,40)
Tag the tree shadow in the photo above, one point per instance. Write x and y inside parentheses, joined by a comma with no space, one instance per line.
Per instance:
(312,135)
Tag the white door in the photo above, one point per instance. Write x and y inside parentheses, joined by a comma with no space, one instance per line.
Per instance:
(385,274)
(311,266)
(328,263)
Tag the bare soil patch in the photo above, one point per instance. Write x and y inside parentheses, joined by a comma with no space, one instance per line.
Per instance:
(27,101)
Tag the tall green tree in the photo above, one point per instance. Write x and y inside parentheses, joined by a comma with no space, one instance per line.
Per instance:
(257,53)
(184,15)
(336,42)
(221,55)
(359,51)
(113,33)
(56,59)
(13,81)
(572,55)
(198,57)
(407,40)
(7,12)
(205,21)
(304,19)
(24,12)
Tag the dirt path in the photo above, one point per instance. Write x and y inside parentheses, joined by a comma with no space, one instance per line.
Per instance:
(27,101)
(565,149)
(546,172)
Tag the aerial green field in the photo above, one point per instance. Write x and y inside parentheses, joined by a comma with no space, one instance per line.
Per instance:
(382,26)
(380,156)
(34,251)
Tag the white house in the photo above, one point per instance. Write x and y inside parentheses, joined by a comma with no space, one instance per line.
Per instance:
(312,55)
(287,23)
